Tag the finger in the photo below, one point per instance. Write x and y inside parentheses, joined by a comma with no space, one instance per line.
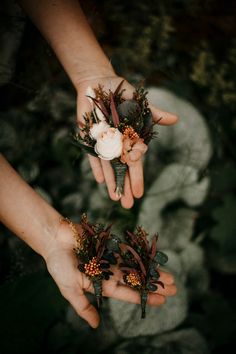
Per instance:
(127,199)
(96,168)
(127,294)
(163,117)
(82,306)
(166,277)
(84,105)
(156,299)
(136,178)
(168,290)
(109,179)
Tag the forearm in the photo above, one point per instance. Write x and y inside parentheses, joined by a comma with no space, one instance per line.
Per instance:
(24,212)
(64,25)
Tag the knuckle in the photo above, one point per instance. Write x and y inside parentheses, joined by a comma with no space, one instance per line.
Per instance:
(162,300)
(173,290)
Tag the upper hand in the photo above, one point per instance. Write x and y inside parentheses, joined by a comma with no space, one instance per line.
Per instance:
(102,170)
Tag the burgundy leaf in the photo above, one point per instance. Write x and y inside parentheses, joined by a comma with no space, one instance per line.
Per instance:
(118,88)
(146,243)
(108,228)
(100,105)
(114,114)
(130,270)
(153,247)
(103,237)
(103,261)
(103,108)
(88,228)
(137,258)
(161,284)
(132,236)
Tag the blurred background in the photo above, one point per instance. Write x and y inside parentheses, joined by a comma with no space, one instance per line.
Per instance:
(184,51)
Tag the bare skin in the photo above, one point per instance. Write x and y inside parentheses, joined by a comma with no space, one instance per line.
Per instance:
(64,25)
(38,224)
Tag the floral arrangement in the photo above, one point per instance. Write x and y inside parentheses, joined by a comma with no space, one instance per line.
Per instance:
(116,129)
(94,259)
(140,262)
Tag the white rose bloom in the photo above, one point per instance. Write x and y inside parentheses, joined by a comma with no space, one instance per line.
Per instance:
(98,128)
(109,144)
(99,114)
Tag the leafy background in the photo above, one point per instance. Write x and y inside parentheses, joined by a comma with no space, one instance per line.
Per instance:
(188,48)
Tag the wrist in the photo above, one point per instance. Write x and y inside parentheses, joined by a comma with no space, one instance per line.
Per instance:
(63,238)
(95,74)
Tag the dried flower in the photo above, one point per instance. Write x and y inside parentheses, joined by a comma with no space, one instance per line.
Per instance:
(130,133)
(92,268)
(133,279)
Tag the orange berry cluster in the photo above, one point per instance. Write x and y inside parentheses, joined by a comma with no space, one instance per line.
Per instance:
(130,133)
(92,269)
(133,279)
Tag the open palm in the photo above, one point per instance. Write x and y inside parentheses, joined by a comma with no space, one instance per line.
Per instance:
(62,265)
(102,170)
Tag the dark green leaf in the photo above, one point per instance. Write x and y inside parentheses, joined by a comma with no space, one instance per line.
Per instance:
(151,287)
(160,258)
(153,272)
(88,149)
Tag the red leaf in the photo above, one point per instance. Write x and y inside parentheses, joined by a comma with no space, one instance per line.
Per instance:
(137,257)
(108,228)
(114,114)
(100,105)
(103,261)
(153,247)
(88,228)
(132,236)
(101,245)
(161,284)
(103,108)
(130,270)
(118,88)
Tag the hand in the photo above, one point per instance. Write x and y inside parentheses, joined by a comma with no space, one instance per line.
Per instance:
(102,170)
(62,265)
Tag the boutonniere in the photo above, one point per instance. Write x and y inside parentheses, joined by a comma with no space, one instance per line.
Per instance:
(117,129)
(93,253)
(140,262)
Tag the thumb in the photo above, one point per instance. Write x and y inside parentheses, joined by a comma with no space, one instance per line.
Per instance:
(163,117)
(83,307)
(84,105)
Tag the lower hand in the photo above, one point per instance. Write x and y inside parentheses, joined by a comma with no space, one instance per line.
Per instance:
(62,264)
